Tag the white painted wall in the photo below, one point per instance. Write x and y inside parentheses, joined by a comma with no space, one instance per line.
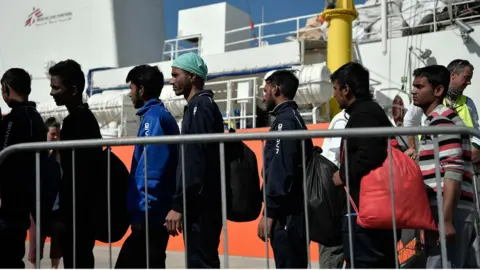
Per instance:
(445,46)
(212,21)
(95,33)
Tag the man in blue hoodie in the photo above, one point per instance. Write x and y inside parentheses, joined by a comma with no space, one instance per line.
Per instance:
(155,165)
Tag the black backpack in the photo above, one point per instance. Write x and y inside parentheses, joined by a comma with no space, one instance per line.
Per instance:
(118,192)
(244,197)
(326,202)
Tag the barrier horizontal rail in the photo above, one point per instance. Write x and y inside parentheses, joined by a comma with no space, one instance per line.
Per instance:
(246,136)
(221,139)
(228,137)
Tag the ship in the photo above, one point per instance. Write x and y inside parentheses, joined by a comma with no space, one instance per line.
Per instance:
(390,38)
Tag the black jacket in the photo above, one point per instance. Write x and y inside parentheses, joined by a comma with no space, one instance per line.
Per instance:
(80,124)
(283,164)
(17,173)
(202,160)
(364,154)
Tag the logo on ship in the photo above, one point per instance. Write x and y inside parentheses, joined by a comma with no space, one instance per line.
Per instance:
(33,17)
(37,18)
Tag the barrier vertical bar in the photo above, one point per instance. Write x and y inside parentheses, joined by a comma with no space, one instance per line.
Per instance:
(441,221)
(109,208)
(38,211)
(305,200)
(147,242)
(475,196)
(74,211)
(392,199)
(224,206)
(184,192)
(347,184)
(264,191)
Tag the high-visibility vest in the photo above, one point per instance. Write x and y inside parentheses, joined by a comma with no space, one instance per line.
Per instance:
(462,110)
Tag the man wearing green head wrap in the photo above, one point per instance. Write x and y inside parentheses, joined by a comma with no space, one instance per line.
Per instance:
(202,166)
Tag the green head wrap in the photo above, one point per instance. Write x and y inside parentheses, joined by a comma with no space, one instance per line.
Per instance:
(192,63)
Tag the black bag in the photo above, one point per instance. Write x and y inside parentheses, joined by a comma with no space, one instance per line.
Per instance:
(244,197)
(326,202)
(118,193)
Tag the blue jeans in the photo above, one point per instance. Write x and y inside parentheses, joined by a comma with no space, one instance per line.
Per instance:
(463,251)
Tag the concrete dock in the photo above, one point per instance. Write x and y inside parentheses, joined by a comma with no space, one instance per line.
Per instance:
(174,259)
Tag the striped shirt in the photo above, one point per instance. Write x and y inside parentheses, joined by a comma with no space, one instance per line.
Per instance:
(455,156)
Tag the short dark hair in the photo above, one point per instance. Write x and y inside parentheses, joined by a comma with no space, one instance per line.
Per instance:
(19,80)
(458,65)
(356,77)
(71,74)
(52,122)
(436,75)
(150,77)
(286,80)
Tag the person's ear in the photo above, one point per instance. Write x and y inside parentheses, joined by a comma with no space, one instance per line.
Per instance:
(75,90)
(276,91)
(192,77)
(345,90)
(439,91)
(452,76)
(141,91)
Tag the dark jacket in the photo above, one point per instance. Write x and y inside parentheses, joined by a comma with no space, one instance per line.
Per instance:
(80,124)
(202,160)
(17,173)
(364,154)
(283,164)
(161,165)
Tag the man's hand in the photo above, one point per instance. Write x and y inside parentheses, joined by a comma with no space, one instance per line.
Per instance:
(411,152)
(336,179)
(261,229)
(449,231)
(173,223)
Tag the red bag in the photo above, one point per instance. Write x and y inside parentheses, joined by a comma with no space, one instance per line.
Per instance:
(412,208)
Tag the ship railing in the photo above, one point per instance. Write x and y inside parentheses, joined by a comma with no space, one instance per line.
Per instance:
(177,46)
(440,20)
(264,34)
(230,99)
(268,33)
(184,141)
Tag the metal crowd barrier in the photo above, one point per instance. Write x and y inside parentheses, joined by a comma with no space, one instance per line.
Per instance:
(221,139)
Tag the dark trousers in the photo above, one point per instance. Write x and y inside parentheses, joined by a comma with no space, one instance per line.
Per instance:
(84,243)
(289,242)
(12,245)
(203,237)
(133,252)
(331,257)
(372,248)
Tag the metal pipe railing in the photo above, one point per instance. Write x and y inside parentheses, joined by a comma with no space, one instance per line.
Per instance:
(222,139)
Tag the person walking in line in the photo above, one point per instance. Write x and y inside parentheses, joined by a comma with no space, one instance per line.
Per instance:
(158,164)
(202,166)
(17,172)
(67,82)
(372,248)
(285,218)
(53,133)
(430,88)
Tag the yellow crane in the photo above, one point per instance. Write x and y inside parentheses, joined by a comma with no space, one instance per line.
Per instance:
(339,44)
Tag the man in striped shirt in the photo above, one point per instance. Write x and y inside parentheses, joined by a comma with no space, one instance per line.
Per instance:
(430,86)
